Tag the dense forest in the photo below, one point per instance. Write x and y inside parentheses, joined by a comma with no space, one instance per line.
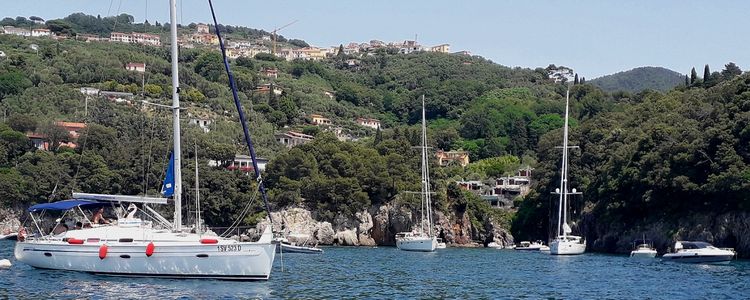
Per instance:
(639,79)
(643,156)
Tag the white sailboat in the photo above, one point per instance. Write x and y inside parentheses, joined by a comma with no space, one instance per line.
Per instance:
(564,243)
(422,240)
(131,246)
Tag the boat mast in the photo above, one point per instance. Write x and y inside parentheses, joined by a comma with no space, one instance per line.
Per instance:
(565,166)
(176,118)
(426,172)
(197,195)
(424,191)
(563,172)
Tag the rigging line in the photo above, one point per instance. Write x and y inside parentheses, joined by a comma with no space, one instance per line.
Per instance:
(116,15)
(143,143)
(248,139)
(150,152)
(110,7)
(242,215)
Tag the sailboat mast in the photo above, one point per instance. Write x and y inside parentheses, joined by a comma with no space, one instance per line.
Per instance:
(426,171)
(176,118)
(197,196)
(565,165)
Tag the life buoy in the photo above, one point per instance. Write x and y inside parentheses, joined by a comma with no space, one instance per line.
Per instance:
(22,234)
(103,251)
(150,249)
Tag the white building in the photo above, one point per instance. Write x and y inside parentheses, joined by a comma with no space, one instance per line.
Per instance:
(137,67)
(202,123)
(89,91)
(368,122)
(16,31)
(41,32)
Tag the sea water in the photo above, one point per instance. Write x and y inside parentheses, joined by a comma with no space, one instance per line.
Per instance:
(388,273)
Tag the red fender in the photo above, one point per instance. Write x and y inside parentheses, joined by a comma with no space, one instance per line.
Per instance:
(75,241)
(103,251)
(150,249)
(209,241)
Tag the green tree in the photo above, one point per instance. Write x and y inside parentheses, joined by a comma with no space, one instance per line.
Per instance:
(706,75)
(731,70)
(693,76)
(12,83)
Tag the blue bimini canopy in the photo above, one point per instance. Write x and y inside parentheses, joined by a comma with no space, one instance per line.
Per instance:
(64,205)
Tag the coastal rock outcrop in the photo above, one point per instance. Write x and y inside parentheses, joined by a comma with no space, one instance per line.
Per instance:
(379,226)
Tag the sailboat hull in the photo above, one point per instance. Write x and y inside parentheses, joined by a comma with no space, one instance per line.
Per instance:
(251,261)
(567,247)
(421,244)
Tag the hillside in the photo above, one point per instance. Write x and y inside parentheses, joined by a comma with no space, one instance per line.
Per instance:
(662,159)
(639,79)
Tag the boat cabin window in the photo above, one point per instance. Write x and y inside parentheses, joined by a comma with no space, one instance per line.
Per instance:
(695,245)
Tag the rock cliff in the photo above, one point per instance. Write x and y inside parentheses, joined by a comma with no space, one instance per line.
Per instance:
(379,225)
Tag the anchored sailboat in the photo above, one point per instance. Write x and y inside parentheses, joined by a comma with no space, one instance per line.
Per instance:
(423,240)
(130,246)
(565,244)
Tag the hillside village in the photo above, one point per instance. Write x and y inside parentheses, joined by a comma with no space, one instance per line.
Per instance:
(202,36)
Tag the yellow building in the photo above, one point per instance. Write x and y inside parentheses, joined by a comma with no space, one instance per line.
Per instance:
(320,120)
(445,158)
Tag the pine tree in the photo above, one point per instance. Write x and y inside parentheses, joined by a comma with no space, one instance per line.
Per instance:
(687,80)
(575,80)
(341,50)
(583,80)
(706,74)
(378,137)
(693,76)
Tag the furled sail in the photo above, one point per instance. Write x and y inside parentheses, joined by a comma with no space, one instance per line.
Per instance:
(567,228)
(167,188)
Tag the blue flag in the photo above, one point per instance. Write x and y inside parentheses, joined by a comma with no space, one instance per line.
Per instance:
(167,188)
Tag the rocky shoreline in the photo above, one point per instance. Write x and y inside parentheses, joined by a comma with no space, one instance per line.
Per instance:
(379,225)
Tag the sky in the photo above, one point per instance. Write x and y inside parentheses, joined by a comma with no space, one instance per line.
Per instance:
(594,37)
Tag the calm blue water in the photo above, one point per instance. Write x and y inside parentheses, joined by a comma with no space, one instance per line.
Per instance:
(388,273)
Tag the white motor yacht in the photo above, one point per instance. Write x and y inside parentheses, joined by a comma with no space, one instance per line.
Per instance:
(643,251)
(699,252)
(530,246)
(441,244)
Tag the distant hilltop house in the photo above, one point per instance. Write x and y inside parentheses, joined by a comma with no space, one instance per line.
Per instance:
(293,138)
(368,122)
(266,88)
(241,162)
(467,53)
(137,67)
(270,72)
(41,32)
(244,163)
(202,123)
(89,91)
(117,97)
(16,31)
(442,48)
(320,120)
(202,28)
(203,36)
(90,38)
(136,38)
(501,192)
(73,129)
(446,158)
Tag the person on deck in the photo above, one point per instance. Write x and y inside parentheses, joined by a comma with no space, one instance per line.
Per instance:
(59,228)
(99,217)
